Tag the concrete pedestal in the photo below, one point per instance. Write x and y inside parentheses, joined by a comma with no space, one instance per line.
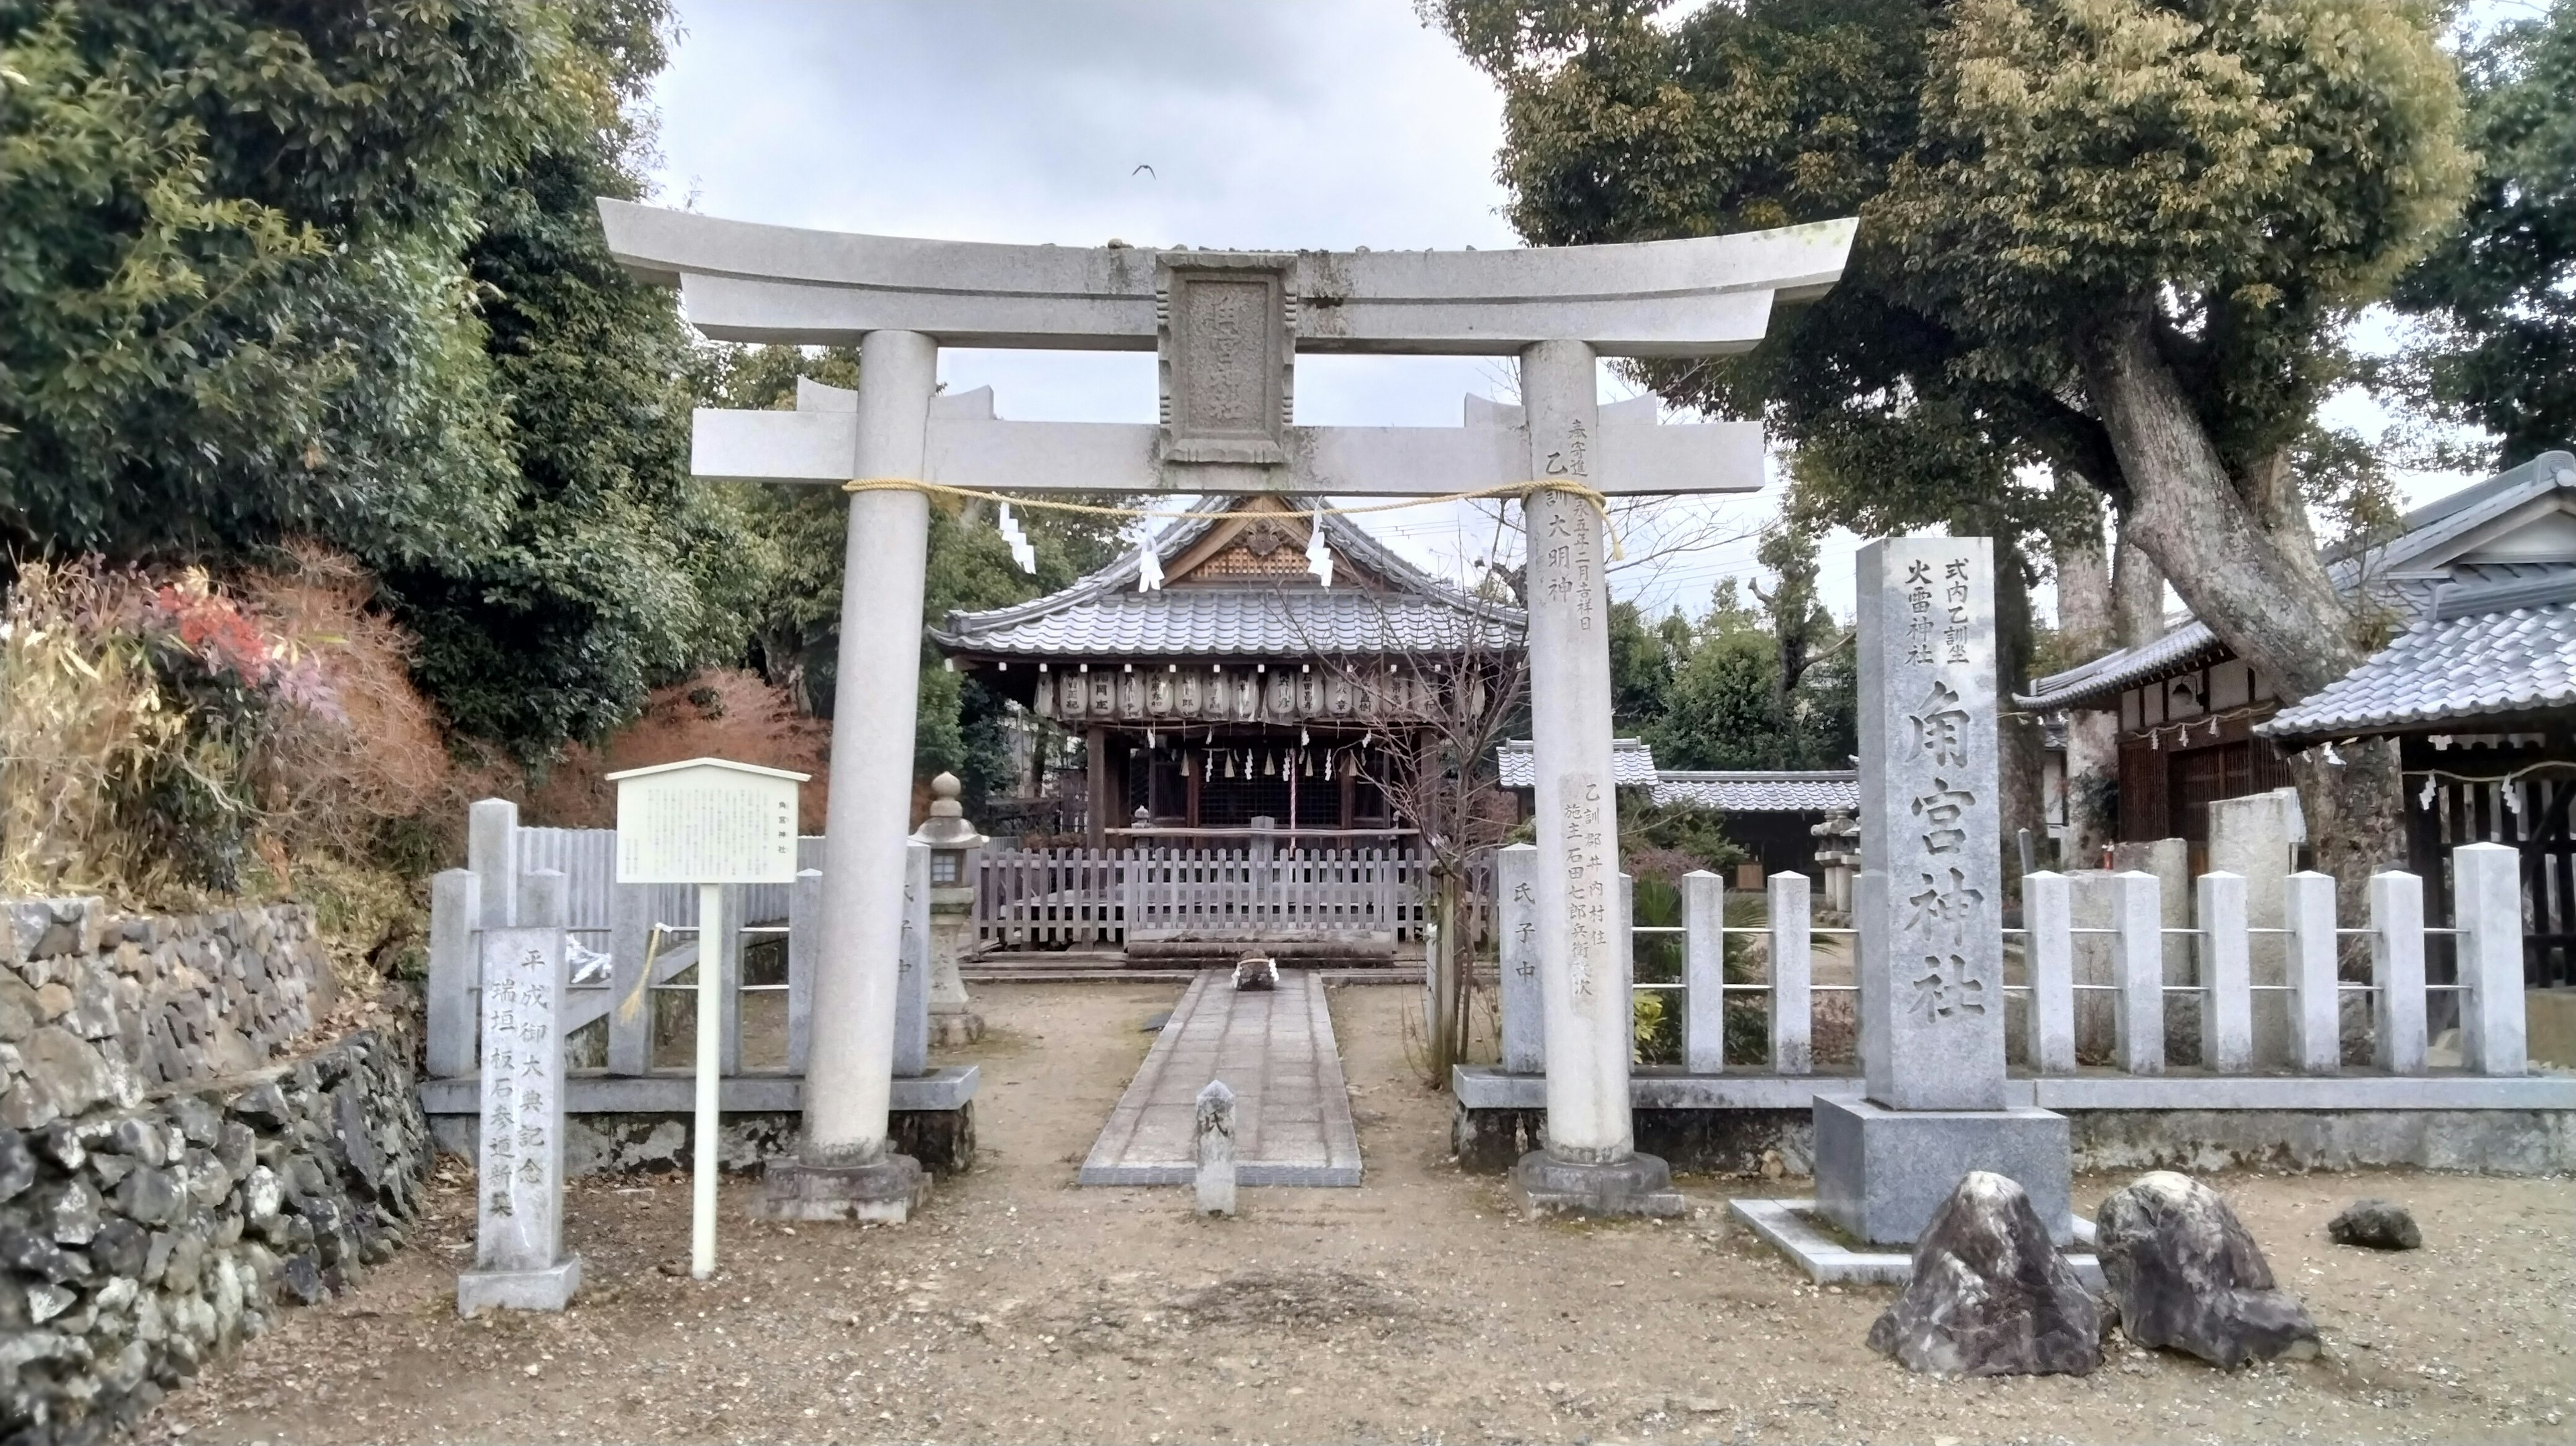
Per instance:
(885,1190)
(549,1289)
(1637,1185)
(1881,1173)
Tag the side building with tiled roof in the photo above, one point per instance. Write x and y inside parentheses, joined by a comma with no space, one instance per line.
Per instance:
(1243,686)
(2478,684)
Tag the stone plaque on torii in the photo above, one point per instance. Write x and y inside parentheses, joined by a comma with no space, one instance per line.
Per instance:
(1226,327)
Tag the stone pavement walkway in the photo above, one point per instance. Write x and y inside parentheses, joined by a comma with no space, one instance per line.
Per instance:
(1275,1049)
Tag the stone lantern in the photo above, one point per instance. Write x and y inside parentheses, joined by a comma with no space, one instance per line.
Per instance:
(954,844)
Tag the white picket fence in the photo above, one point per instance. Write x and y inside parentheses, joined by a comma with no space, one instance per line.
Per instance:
(2485,943)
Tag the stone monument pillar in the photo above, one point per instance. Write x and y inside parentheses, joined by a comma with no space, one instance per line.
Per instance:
(1590,1164)
(519,1262)
(1929,909)
(954,843)
(845,1167)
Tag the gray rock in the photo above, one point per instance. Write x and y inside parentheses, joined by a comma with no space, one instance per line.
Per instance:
(2185,1274)
(356,1149)
(262,1194)
(17,1007)
(24,1104)
(63,1142)
(263,1107)
(68,1212)
(119,1247)
(145,1140)
(1990,1295)
(44,1302)
(200,1122)
(2375,1225)
(301,1279)
(68,1068)
(17,1164)
(235,1147)
(28,1253)
(93,1013)
(179,1272)
(151,1197)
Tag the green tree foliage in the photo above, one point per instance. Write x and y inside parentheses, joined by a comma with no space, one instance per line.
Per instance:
(2498,296)
(335,270)
(1729,707)
(2118,239)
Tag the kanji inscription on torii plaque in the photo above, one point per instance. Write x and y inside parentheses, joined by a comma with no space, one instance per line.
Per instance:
(1932,900)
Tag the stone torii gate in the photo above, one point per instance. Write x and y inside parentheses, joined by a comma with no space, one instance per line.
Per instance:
(1226,327)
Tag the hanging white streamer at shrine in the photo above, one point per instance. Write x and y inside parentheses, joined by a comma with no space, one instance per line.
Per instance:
(1021,551)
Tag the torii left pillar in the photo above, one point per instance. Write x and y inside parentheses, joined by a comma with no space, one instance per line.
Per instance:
(846,1166)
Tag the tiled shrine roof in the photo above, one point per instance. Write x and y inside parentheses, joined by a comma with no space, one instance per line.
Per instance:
(1758,790)
(1761,791)
(1632,764)
(2495,650)
(2425,534)
(1239,604)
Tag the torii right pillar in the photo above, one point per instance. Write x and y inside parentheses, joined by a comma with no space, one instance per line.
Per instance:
(1589,1164)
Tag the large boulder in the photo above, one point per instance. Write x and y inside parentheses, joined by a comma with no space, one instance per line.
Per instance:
(2184,1273)
(1990,1294)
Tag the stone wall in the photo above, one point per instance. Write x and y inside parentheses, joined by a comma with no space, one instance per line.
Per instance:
(139,1242)
(97,1009)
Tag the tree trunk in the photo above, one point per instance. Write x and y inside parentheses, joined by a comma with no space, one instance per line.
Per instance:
(2020,747)
(2084,619)
(2356,818)
(1443,967)
(2259,588)
(2083,597)
(2264,594)
(2137,595)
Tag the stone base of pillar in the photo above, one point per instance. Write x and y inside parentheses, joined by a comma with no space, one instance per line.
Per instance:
(1881,1173)
(1637,1185)
(947,1031)
(549,1289)
(885,1190)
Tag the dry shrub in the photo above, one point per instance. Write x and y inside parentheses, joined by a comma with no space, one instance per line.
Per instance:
(332,779)
(720,713)
(146,720)
(81,718)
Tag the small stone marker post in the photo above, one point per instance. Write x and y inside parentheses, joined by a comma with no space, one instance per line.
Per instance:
(1216,1149)
(519,1262)
(1930,912)
(706,822)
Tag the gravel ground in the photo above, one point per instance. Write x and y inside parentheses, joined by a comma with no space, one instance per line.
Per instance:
(1416,1308)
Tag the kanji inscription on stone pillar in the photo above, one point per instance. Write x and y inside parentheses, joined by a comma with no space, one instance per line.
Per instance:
(1931,907)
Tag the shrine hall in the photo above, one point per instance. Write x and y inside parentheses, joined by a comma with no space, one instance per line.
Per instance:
(1270,675)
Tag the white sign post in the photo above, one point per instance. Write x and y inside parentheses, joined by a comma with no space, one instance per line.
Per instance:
(710,823)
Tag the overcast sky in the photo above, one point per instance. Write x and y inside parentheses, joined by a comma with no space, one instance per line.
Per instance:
(1322,123)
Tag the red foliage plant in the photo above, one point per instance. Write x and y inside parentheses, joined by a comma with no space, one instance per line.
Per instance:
(720,713)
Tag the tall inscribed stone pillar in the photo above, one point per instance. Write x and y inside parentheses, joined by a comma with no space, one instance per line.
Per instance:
(1930,911)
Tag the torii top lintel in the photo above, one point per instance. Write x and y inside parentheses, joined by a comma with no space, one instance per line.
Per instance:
(1705,296)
